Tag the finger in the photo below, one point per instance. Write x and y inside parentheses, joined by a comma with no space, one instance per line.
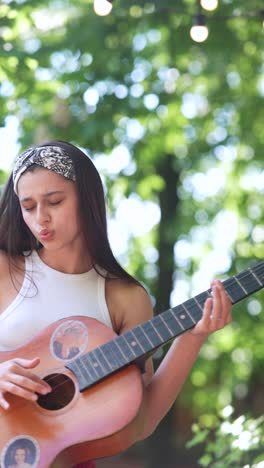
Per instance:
(36,379)
(226,304)
(223,302)
(30,382)
(204,324)
(207,311)
(18,391)
(216,313)
(221,306)
(3,403)
(27,363)
(21,369)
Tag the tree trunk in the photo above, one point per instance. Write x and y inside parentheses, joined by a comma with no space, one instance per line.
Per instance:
(160,450)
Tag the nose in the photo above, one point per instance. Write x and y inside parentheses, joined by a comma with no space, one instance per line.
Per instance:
(42,215)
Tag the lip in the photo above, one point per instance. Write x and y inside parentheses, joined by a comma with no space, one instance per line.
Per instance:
(46,235)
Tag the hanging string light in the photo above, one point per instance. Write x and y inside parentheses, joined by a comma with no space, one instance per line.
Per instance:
(102,7)
(199,31)
(209,5)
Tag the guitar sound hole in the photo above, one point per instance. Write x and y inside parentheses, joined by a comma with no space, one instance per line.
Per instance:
(62,393)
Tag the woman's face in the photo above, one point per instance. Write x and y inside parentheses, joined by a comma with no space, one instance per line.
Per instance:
(20,455)
(50,208)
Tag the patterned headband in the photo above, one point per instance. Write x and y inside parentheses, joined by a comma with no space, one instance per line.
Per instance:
(50,157)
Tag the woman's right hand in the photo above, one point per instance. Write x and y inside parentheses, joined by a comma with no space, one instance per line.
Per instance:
(16,378)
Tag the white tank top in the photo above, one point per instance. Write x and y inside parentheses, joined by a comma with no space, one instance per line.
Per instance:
(48,295)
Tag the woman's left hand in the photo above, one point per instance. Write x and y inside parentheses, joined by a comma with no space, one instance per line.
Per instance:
(216,311)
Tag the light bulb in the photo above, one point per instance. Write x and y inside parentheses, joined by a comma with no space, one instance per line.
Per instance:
(102,7)
(209,5)
(199,31)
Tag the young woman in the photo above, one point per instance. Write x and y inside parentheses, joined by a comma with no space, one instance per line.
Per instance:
(55,254)
(19,458)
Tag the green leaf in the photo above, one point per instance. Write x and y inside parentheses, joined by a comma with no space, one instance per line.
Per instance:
(259,458)
(198,438)
(205,460)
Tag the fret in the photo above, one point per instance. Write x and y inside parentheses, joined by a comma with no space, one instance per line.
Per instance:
(121,350)
(203,296)
(140,336)
(184,317)
(127,347)
(89,367)
(164,330)
(201,299)
(189,313)
(255,276)
(241,286)
(193,308)
(97,364)
(233,291)
(152,334)
(133,342)
(82,368)
(107,355)
(259,270)
(117,357)
(231,297)
(156,331)
(134,332)
(176,318)
(142,327)
(198,303)
(171,322)
(80,372)
(103,358)
(249,281)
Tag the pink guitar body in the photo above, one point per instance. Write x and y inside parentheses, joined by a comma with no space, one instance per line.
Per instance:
(69,426)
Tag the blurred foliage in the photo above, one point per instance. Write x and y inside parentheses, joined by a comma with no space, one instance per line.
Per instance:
(135,79)
(231,442)
(3,177)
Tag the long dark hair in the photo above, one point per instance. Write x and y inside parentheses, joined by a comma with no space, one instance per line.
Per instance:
(16,238)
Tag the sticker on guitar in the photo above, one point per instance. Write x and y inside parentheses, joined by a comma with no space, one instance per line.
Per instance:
(69,340)
(21,451)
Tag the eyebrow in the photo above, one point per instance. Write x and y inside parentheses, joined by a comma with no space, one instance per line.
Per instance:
(46,195)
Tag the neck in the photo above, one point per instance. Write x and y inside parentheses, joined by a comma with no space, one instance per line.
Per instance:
(72,262)
(136,344)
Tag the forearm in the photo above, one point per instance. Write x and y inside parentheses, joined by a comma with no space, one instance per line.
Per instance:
(169,378)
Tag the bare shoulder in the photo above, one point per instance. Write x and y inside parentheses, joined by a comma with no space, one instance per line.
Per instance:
(129,304)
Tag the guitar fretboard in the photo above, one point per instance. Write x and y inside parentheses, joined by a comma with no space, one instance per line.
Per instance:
(136,344)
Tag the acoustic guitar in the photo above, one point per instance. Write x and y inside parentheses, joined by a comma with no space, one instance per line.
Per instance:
(95,408)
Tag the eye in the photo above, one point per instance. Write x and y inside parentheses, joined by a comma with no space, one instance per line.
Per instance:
(55,202)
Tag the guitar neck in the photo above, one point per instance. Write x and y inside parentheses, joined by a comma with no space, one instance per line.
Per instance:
(138,343)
